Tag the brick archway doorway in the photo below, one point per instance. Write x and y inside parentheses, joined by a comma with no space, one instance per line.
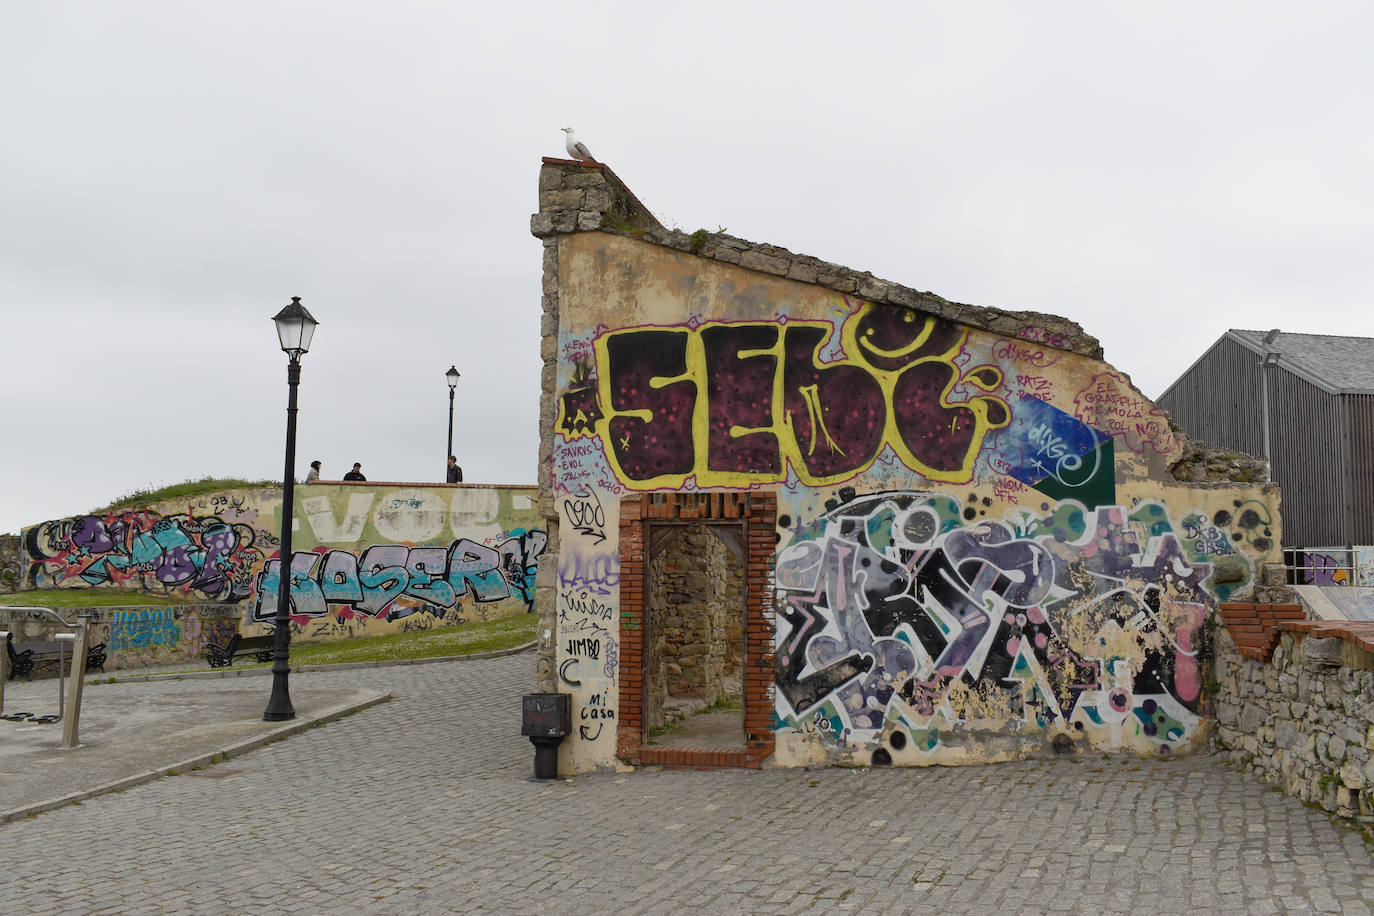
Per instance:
(650,523)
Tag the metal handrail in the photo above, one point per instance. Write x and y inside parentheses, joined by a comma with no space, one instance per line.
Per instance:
(45,610)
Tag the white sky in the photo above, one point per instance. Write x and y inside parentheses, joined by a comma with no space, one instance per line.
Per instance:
(172,173)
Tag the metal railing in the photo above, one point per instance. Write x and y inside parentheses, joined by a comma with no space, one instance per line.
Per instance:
(1324,565)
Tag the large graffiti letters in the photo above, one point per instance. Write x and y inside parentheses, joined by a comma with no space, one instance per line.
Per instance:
(739,403)
(201,555)
(394,581)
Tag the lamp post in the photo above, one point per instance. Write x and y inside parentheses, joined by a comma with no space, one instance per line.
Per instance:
(452,376)
(1271,359)
(295,327)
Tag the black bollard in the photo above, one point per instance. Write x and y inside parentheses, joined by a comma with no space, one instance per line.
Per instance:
(546,719)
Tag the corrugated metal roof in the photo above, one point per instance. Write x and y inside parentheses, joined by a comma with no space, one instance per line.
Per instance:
(1338,364)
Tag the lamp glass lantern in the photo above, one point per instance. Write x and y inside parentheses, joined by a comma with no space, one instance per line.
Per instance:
(452,376)
(295,327)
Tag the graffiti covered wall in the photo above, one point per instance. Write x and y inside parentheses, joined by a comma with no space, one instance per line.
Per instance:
(981,552)
(366,559)
(138,636)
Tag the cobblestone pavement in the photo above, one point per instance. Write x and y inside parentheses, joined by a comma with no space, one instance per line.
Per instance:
(426,805)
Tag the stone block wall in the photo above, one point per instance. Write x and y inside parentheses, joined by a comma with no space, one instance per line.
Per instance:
(1302,719)
(9,562)
(137,636)
(697,629)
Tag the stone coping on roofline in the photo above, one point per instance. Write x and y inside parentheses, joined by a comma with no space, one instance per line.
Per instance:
(579,196)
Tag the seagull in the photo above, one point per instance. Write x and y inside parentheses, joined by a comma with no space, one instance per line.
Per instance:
(576,148)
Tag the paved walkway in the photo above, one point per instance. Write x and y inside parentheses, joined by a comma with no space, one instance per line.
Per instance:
(425,805)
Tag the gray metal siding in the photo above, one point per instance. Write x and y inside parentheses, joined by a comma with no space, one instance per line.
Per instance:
(1313,437)
(1309,461)
(1218,399)
(1360,420)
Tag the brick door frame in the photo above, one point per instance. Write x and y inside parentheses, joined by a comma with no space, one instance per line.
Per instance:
(756,513)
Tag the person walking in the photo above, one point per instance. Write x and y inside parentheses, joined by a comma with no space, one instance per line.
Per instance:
(356,473)
(455,473)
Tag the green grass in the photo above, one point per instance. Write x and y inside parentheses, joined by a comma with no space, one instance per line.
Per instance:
(464,639)
(142,497)
(89,597)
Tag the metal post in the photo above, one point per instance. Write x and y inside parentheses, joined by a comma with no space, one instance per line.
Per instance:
(279,707)
(71,714)
(4,667)
(1264,409)
(62,640)
(450,434)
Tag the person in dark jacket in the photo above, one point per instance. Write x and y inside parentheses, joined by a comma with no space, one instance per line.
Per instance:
(455,473)
(356,473)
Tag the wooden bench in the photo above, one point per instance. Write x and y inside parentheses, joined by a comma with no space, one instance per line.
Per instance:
(95,657)
(223,656)
(20,662)
(25,655)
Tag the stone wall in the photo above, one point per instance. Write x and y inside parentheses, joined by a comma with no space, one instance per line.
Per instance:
(1303,720)
(696,620)
(137,636)
(9,562)
(988,543)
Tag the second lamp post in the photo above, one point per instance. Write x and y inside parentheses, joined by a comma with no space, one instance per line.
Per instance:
(295,327)
(452,376)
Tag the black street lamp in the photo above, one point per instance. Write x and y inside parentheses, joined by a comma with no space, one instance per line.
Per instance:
(295,327)
(452,376)
(1271,359)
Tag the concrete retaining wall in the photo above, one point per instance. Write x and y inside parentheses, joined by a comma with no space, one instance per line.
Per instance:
(368,558)
(138,636)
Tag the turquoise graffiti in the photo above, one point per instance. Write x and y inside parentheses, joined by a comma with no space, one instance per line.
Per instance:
(392,581)
(145,628)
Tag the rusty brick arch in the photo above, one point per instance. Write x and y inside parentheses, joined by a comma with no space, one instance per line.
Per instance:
(756,515)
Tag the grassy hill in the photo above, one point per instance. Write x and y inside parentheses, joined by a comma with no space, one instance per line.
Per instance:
(181,490)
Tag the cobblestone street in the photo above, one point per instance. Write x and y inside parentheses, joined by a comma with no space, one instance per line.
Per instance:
(425,804)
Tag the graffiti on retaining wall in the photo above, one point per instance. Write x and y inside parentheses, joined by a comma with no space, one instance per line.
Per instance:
(900,618)
(741,403)
(144,628)
(392,581)
(202,555)
(197,631)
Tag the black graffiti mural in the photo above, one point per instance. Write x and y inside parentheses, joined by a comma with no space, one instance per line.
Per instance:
(895,606)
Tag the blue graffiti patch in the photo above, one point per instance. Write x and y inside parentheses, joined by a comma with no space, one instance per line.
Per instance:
(1057,454)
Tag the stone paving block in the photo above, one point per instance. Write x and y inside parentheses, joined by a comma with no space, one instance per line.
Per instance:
(426,804)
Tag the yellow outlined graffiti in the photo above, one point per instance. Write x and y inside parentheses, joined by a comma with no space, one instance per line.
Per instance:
(737,403)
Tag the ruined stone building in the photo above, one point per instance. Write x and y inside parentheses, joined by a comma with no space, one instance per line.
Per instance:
(874,525)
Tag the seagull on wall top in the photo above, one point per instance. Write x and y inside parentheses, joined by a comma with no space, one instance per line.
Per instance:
(576,148)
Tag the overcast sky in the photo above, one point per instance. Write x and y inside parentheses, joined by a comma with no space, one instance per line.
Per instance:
(172,174)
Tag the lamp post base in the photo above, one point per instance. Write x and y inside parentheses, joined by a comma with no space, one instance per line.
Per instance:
(279,708)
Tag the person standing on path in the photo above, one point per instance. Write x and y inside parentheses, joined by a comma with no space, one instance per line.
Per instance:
(455,473)
(356,473)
